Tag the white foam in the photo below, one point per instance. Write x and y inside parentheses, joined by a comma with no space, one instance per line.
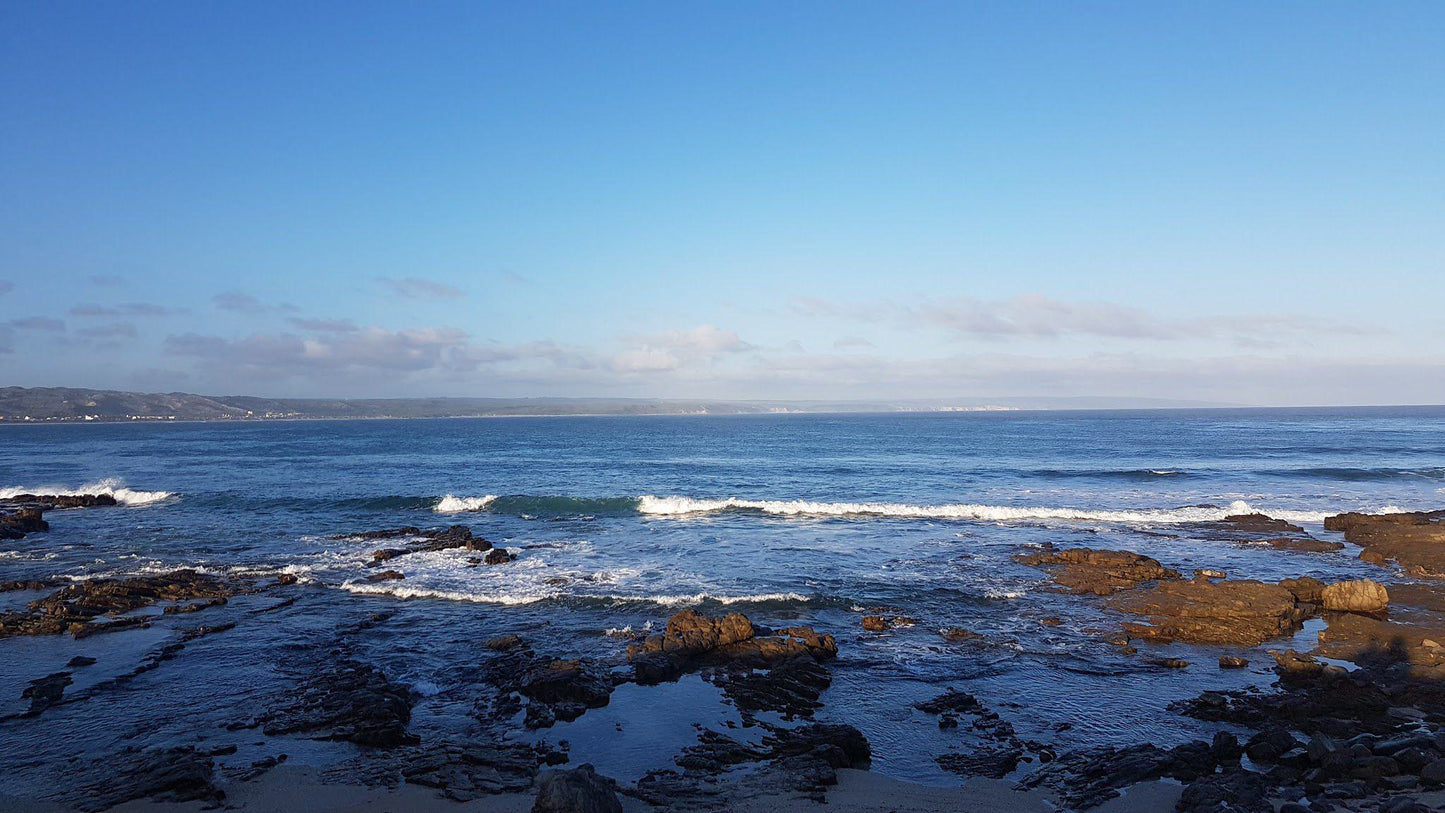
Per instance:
(111,485)
(452,504)
(682,506)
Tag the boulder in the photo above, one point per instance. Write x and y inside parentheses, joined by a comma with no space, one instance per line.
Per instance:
(1358,596)
(579,790)
(1306,589)
(16,523)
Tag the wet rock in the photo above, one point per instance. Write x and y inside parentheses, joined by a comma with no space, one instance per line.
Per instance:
(957,635)
(1359,596)
(81,660)
(1230,612)
(16,523)
(1209,573)
(163,775)
(385,576)
(693,640)
(498,556)
(71,608)
(28,584)
(692,633)
(1433,773)
(61,501)
(791,688)
(994,763)
(1100,572)
(1269,744)
(1306,544)
(284,579)
(504,642)
(881,623)
(950,701)
(1259,523)
(347,700)
(46,692)
(1415,540)
(1052,621)
(435,539)
(1168,663)
(579,790)
(1232,662)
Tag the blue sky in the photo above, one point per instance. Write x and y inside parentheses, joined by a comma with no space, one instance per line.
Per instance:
(1232,202)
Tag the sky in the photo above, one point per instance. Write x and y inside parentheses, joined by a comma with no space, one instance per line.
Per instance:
(1228,202)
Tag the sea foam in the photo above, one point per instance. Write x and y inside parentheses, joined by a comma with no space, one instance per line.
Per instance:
(112,486)
(682,506)
(452,504)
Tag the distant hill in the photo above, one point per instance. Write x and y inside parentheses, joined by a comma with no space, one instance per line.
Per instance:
(68,404)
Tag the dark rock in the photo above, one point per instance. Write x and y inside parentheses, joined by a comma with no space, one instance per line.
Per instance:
(951,700)
(1235,790)
(164,775)
(881,623)
(579,790)
(46,692)
(284,579)
(347,700)
(994,763)
(1232,662)
(498,556)
(1259,523)
(70,608)
(1416,540)
(504,642)
(956,635)
(1433,773)
(1268,745)
(1168,663)
(1306,589)
(16,523)
(81,660)
(386,575)
(61,501)
(1306,544)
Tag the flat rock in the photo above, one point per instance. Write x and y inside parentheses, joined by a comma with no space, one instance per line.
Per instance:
(1241,612)
(1100,572)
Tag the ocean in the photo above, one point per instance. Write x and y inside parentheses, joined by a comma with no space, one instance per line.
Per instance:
(619,522)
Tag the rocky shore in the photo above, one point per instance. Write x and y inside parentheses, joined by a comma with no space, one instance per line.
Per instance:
(1357,723)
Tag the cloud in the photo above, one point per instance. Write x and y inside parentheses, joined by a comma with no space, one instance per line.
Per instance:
(6,286)
(851,343)
(115,330)
(126,309)
(675,349)
(107,281)
(38,323)
(1034,316)
(323,325)
(238,302)
(418,288)
(283,355)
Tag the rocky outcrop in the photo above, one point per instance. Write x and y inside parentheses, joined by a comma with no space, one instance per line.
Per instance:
(1090,777)
(1415,541)
(1259,524)
(1100,572)
(548,688)
(434,539)
(61,501)
(159,774)
(16,523)
(1244,612)
(347,700)
(1358,596)
(1307,544)
(693,640)
(883,623)
(74,607)
(579,790)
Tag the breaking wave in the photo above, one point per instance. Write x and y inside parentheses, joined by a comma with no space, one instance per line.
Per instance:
(682,506)
(452,504)
(112,486)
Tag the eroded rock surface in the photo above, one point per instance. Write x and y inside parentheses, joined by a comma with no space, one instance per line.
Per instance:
(1101,572)
(73,608)
(1415,540)
(1243,612)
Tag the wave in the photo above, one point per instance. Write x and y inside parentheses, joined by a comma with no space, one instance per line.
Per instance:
(1367,475)
(518,597)
(112,486)
(451,504)
(682,506)
(544,507)
(1126,475)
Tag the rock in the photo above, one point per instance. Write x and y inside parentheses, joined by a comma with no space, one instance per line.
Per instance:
(994,763)
(1208,573)
(81,660)
(692,633)
(1052,621)
(504,642)
(1307,544)
(1235,790)
(61,501)
(1414,759)
(791,688)
(498,556)
(1168,663)
(1359,596)
(163,775)
(1228,612)
(1269,744)
(880,623)
(1259,523)
(1433,773)
(16,523)
(1232,662)
(957,635)
(46,692)
(1306,590)
(284,579)
(1100,572)
(1416,540)
(71,608)
(346,700)
(579,790)
(436,539)
(951,700)
(386,576)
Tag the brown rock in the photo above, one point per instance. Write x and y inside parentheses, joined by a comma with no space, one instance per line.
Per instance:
(1100,572)
(1415,540)
(955,635)
(1304,543)
(880,623)
(1232,662)
(1358,596)
(1306,589)
(1227,612)
(1259,523)
(692,633)
(386,575)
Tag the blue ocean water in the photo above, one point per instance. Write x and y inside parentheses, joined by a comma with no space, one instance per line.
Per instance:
(620,521)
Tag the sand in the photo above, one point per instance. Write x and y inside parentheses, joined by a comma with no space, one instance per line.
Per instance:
(295,789)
